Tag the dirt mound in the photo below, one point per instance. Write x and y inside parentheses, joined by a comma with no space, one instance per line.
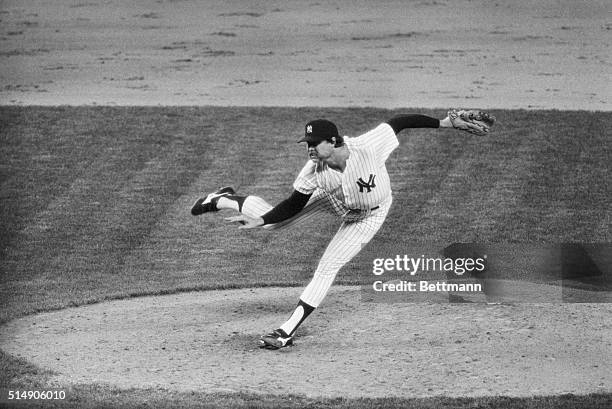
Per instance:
(206,341)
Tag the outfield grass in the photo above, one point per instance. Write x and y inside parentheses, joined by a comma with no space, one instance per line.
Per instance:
(95,205)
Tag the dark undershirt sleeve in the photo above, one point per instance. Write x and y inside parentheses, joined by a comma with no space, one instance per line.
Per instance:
(400,122)
(287,208)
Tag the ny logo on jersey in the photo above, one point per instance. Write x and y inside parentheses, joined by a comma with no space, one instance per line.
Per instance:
(369,185)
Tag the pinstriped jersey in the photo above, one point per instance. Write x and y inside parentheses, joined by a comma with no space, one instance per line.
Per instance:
(365,183)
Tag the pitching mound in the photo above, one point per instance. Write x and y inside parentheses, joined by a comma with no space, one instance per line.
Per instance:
(206,341)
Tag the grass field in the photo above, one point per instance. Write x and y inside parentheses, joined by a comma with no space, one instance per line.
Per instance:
(95,206)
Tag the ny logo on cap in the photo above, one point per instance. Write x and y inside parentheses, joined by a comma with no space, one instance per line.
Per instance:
(309,129)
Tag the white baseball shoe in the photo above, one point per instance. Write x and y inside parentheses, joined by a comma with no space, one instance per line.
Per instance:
(209,203)
(277,339)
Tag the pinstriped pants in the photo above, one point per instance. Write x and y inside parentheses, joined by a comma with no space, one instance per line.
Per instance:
(350,238)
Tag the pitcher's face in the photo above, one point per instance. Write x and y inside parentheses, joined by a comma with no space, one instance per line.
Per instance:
(320,152)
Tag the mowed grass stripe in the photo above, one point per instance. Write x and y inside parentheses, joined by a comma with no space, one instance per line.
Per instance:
(471,201)
(96,199)
(182,248)
(435,161)
(128,170)
(567,192)
(541,182)
(40,160)
(95,205)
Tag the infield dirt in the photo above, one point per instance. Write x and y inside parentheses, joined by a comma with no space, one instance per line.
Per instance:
(207,341)
(429,54)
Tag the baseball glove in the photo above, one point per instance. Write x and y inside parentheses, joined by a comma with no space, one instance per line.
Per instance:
(472,121)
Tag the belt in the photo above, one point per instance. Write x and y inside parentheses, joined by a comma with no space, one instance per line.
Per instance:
(363,210)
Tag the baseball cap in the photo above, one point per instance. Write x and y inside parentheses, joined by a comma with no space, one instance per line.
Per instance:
(319,130)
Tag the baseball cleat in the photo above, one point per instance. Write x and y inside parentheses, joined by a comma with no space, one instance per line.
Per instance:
(277,339)
(209,203)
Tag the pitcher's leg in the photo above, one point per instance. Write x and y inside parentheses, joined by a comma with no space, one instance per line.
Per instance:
(346,244)
(338,253)
(252,206)
(255,206)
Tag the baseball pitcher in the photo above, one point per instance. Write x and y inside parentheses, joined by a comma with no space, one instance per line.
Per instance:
(345,176)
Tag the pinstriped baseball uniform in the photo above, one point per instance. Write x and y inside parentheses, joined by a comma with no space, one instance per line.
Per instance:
(360,196)
(346,177)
